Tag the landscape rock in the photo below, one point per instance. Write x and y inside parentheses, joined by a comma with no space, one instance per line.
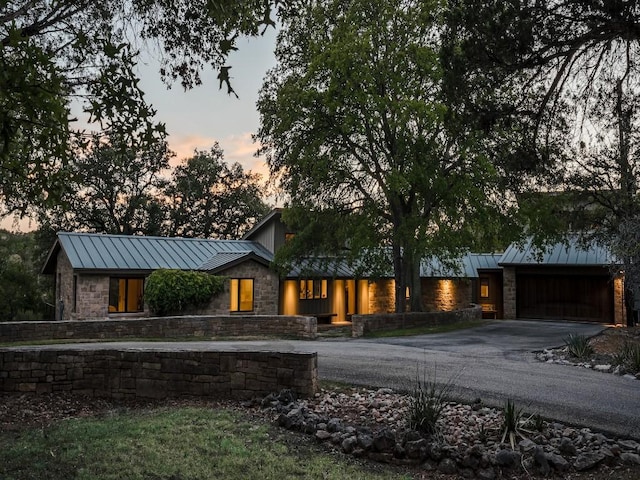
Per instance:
(587,461)
(508,458)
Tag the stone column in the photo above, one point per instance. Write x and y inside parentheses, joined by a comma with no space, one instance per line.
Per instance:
(509,292)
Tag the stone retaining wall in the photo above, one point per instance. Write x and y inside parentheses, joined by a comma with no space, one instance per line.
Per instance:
(156,373)
(364,324)
(162,327)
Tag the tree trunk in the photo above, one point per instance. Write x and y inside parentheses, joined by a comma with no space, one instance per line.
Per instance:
(399,277)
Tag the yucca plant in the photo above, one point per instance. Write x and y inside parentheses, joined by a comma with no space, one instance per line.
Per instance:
(427,400)
(629,357)
(578,346)
(513,423)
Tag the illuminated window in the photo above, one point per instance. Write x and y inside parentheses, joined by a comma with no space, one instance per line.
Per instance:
(289,236)
(310,289)
(241,292)
(126,295)
(484,288)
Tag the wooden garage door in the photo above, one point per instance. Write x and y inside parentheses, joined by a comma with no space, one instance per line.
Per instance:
(569,297)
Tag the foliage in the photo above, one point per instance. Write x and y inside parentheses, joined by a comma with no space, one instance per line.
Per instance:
(629,357)
(173,291)
(360,131)
(513,423)
(427,400)
(23,293)
(578,346)
(208,198)
(168,443)
(53,53)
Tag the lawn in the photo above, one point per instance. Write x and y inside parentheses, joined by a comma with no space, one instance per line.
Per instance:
(170,443)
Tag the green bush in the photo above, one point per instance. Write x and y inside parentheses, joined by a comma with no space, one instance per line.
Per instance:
(172,291)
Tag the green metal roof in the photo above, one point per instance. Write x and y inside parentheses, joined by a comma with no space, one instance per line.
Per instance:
(568,253)
(97,252)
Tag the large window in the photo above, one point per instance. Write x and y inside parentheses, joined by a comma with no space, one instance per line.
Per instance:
(126,295)
(241,292)
(310,289)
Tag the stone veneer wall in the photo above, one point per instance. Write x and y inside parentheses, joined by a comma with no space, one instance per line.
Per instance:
(444,294)
(382,296)
(156,373)
(265,290)
(162,327)
(619,309)
(509,292)
(364,324)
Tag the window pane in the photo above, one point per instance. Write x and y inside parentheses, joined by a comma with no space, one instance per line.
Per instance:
(233,292)
(484,288)
(113,294)
(134,294)
(246,295)
(324,289)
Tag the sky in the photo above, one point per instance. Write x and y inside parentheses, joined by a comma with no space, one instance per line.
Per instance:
(197,118)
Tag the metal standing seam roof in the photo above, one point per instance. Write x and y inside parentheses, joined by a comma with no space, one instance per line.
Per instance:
(465,267)
(571,253)
(88,251)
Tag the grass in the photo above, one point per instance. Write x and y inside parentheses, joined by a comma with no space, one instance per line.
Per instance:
(169,443)
(400,332)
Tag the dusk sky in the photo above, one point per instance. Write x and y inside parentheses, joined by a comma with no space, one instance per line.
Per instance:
(197,118)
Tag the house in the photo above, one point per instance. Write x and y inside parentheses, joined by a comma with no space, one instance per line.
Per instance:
(332,292)
(102,276)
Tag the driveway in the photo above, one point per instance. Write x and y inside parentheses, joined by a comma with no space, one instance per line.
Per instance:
(504,338)
(492,362)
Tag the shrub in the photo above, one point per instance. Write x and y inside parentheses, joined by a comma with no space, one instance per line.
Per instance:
(427,400)
(172,291)
(578,346)
(629,357)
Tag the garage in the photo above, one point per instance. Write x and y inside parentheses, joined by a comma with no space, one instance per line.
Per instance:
(569,294)
(568,280)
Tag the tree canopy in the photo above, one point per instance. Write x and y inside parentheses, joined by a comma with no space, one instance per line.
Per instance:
(359,130)
(53,53)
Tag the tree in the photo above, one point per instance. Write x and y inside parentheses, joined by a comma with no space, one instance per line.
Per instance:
(53,52)
(208,198)
(23,294)
(576,68)
(357,127)
(115,176)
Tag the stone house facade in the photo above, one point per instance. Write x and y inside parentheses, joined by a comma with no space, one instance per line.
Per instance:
(103,276)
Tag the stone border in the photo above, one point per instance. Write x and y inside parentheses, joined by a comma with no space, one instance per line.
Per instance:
(162,327)
(362,325)
(130,373)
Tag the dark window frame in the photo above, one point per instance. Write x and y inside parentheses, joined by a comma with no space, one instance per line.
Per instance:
(140,303)
(238,299)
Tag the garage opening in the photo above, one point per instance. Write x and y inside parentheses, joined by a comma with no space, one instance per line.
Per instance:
(579,295)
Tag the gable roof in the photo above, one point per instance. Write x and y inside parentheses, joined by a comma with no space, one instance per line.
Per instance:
(569,253)
(275,213)
(99,252)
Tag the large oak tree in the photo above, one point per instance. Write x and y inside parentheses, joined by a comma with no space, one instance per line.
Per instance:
(361,130)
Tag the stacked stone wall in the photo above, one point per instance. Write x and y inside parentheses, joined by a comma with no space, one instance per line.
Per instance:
(509,292)
(382,296)
(444,294)
(362,325)
(156,373)
(162,327)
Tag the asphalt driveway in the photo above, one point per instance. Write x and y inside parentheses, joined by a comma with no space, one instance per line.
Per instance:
(500,338)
